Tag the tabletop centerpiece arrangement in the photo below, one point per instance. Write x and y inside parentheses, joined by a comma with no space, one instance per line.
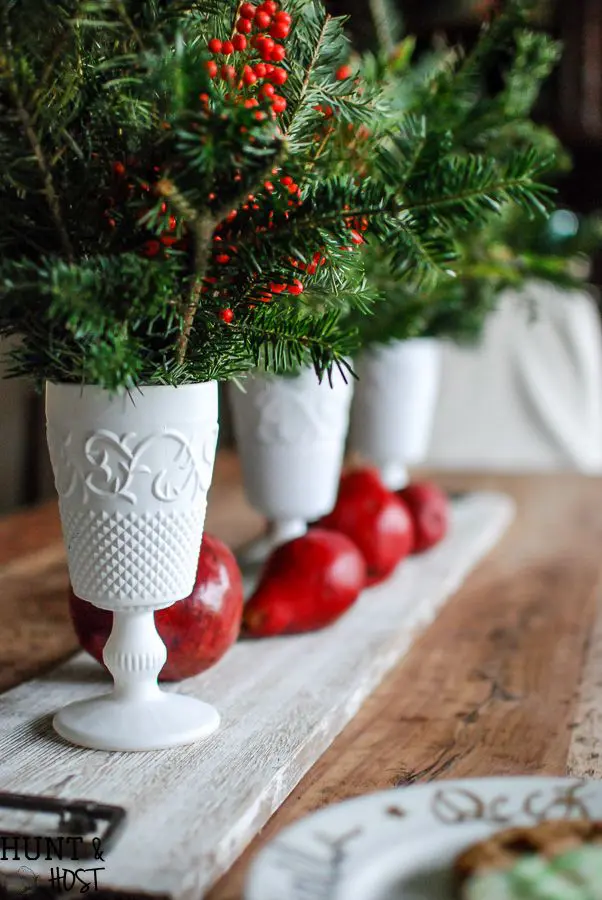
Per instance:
(149,249)
(184,206)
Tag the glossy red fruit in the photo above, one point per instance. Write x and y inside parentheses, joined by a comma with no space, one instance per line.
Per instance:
(306,584)
(197,631)
(377,522)
(430,511)
(262,19)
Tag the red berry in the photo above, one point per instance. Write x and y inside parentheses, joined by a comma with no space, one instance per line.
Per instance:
(278,76)
(293,188)
(244,26)
(269,187)
(356,238)
(239,42)
(344,72)
(215,45)
(248,76)
(228,73)
(283,16)
(278,53)
(286,180)
(222,258)
(277,288)
(118,169)
(151,248)
(260,70)
(262,19)
(269,6)
(211,66)
(267,91)
(265,48)
(247,11)
(227,48)
(226,315)
(260,116)
(251,103)
(296,287)
(278,104)
(279,30)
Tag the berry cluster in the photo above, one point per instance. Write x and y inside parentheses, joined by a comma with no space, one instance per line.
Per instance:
(128,186)
(273,200)
(258,30)
(248,63)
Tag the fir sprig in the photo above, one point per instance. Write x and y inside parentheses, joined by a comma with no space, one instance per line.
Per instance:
(450,130)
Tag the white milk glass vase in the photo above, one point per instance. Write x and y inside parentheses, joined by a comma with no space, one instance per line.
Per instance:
(290,433)
(394,406)
(132,471)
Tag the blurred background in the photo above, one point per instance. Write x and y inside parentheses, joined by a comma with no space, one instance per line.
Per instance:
(529,395)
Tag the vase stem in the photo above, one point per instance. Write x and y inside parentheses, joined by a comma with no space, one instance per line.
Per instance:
(284,530)
(394,476)
(135,654)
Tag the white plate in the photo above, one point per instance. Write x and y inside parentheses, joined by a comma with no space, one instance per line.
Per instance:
(400,844)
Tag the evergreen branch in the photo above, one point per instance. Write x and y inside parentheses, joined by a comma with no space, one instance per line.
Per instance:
(203,232)
(380,12)
(310,70)
(493,194)
(123,14)
(202,227)
(50,192)
(235,18)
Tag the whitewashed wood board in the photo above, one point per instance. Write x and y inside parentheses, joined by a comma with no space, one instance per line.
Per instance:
(191,811)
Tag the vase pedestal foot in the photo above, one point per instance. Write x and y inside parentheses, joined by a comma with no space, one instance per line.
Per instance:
(280,532)
(110,722)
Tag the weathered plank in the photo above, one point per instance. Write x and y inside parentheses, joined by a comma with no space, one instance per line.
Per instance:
(193,810)
(585,751)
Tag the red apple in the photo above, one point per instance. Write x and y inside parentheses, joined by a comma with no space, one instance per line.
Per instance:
(430,511)
(306,584)
(197,631)
(377,522)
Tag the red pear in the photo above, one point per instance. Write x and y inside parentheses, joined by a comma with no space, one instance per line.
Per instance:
(197,631)
(377,522)
(430,511)
(306,584)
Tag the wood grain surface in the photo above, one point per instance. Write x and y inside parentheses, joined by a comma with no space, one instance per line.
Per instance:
(503,682)
(492,687)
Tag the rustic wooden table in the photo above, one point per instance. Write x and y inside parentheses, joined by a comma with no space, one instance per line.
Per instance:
(504,682)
